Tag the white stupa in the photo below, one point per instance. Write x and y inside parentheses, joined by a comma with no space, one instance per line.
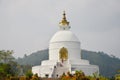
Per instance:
(64,55)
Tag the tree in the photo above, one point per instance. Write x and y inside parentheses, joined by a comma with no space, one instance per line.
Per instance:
(6,56)
(7,65)
(5,70)
(29,74)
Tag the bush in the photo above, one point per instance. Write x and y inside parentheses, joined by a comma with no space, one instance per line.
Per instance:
(14,78)
(23,78)
(29,74)
(35,77)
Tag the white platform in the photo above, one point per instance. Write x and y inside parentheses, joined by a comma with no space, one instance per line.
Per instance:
(54,68)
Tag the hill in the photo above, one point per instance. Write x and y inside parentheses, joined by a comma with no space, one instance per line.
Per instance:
(108,65)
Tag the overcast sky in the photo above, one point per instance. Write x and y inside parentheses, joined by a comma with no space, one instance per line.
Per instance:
(26,26)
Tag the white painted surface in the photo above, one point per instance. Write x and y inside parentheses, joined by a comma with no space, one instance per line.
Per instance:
(53,66)
(64,35)
(73,48)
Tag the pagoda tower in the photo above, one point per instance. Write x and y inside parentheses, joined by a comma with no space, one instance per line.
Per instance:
(64,54)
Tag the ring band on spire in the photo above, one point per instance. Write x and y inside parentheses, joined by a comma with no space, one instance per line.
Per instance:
(64,21)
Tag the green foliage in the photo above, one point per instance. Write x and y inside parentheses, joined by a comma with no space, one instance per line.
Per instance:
(35,77)
(14,78)
(108,65)
(4,70)
(29,74)
(34,58)
(117,77)
(96,75)
(7,70)
(79,75)
(8,61)
(23,78)
(6,56)
(7,66)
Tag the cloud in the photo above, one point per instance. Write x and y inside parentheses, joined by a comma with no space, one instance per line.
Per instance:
(27,25)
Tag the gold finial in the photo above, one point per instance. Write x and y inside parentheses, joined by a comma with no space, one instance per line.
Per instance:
(64,21)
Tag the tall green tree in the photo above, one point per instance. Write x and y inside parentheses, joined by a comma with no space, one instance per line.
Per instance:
(6,56)
(8,67)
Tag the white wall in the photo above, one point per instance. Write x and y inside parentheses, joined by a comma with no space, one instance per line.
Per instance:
(74,51)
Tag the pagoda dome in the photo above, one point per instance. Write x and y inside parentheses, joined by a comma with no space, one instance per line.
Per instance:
(64,35)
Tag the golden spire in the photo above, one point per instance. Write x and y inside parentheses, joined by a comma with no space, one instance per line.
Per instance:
(64,22)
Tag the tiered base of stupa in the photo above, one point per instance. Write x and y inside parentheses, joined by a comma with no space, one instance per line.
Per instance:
(53,68)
